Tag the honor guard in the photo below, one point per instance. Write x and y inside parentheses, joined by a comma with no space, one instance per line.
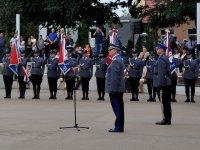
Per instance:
(115,86)
(52,74)
(7,75)
(21,76)
(190,76)
(135,68)
(100,74)
(85,73)
(37,72)
(150,63)
(161,80)
(70,76)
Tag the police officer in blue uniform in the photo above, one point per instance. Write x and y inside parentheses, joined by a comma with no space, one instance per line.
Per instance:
(7,75)
(86,68)
(52,74)
(100,74)
(37,72)
(115,86)
(135,68)
(150,63)
(70,76)
(21,75)
(190,76)
(161,80)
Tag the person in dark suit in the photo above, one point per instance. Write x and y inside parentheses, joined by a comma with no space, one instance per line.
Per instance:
(7,75)
(37,72)
(135,68)
(100,74)
(52,74)
(85,74)
(70,76)
(190,76)
(21,75)
(115,86)
(161,80)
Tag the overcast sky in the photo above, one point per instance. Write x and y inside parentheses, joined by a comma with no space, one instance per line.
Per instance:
(118,11)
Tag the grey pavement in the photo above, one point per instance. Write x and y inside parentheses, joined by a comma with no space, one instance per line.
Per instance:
(34,124)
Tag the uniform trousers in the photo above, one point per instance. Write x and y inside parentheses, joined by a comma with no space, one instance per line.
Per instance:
(70,83)
(190,84)
(116,99)
(134,82)
(151,89)
(36,81)
(22,86)
(85,86)
(101,86)
(173,86)
(166,103)
(52,86)
(8,81)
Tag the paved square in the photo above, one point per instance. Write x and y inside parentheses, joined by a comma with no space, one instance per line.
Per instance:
(34,124)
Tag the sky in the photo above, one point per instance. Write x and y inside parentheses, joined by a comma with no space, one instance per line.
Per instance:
(118,11)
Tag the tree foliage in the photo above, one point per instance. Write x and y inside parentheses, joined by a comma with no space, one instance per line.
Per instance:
(166,12)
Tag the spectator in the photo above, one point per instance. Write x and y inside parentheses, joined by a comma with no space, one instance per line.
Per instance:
(40,44)
(98,34)
(33,44)
(22,44)
(53,39)
(2,45)
(191,45)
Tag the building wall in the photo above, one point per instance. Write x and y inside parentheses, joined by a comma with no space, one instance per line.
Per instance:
(181,32)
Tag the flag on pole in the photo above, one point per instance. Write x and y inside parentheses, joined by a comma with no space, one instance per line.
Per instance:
(14,58)
(169,53)
(64,63)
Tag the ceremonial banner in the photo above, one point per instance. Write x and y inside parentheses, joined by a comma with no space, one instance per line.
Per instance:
(14,59)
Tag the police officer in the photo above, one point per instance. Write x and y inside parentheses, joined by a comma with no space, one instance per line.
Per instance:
(115,86)
(37,72)
(7,75)
(21,75)
(135,68)
(161,80)
(70,76)
(100,74)
(52,74)
(150,63)
(85,73)
(190,76)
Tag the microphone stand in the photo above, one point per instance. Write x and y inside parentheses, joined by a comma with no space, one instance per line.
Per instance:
(76,126)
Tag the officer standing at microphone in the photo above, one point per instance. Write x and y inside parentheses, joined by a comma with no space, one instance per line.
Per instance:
(37,72)
(21,75)
(52,74)
(161,80)
(100,74)
(115,86)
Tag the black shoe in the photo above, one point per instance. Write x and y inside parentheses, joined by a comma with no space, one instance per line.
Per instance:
(102,99)
(150,100)
(192,100)
(54,97)
(134,100)
(99,98)
(83,98)
(34,97)
(163,122)
(187,100)
(51,97)
(68,97)
(87,98)
(173,100)
(21,97)
(113,130)
(7,97)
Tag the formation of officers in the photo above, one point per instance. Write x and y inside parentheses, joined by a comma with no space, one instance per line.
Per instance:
(81,67)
